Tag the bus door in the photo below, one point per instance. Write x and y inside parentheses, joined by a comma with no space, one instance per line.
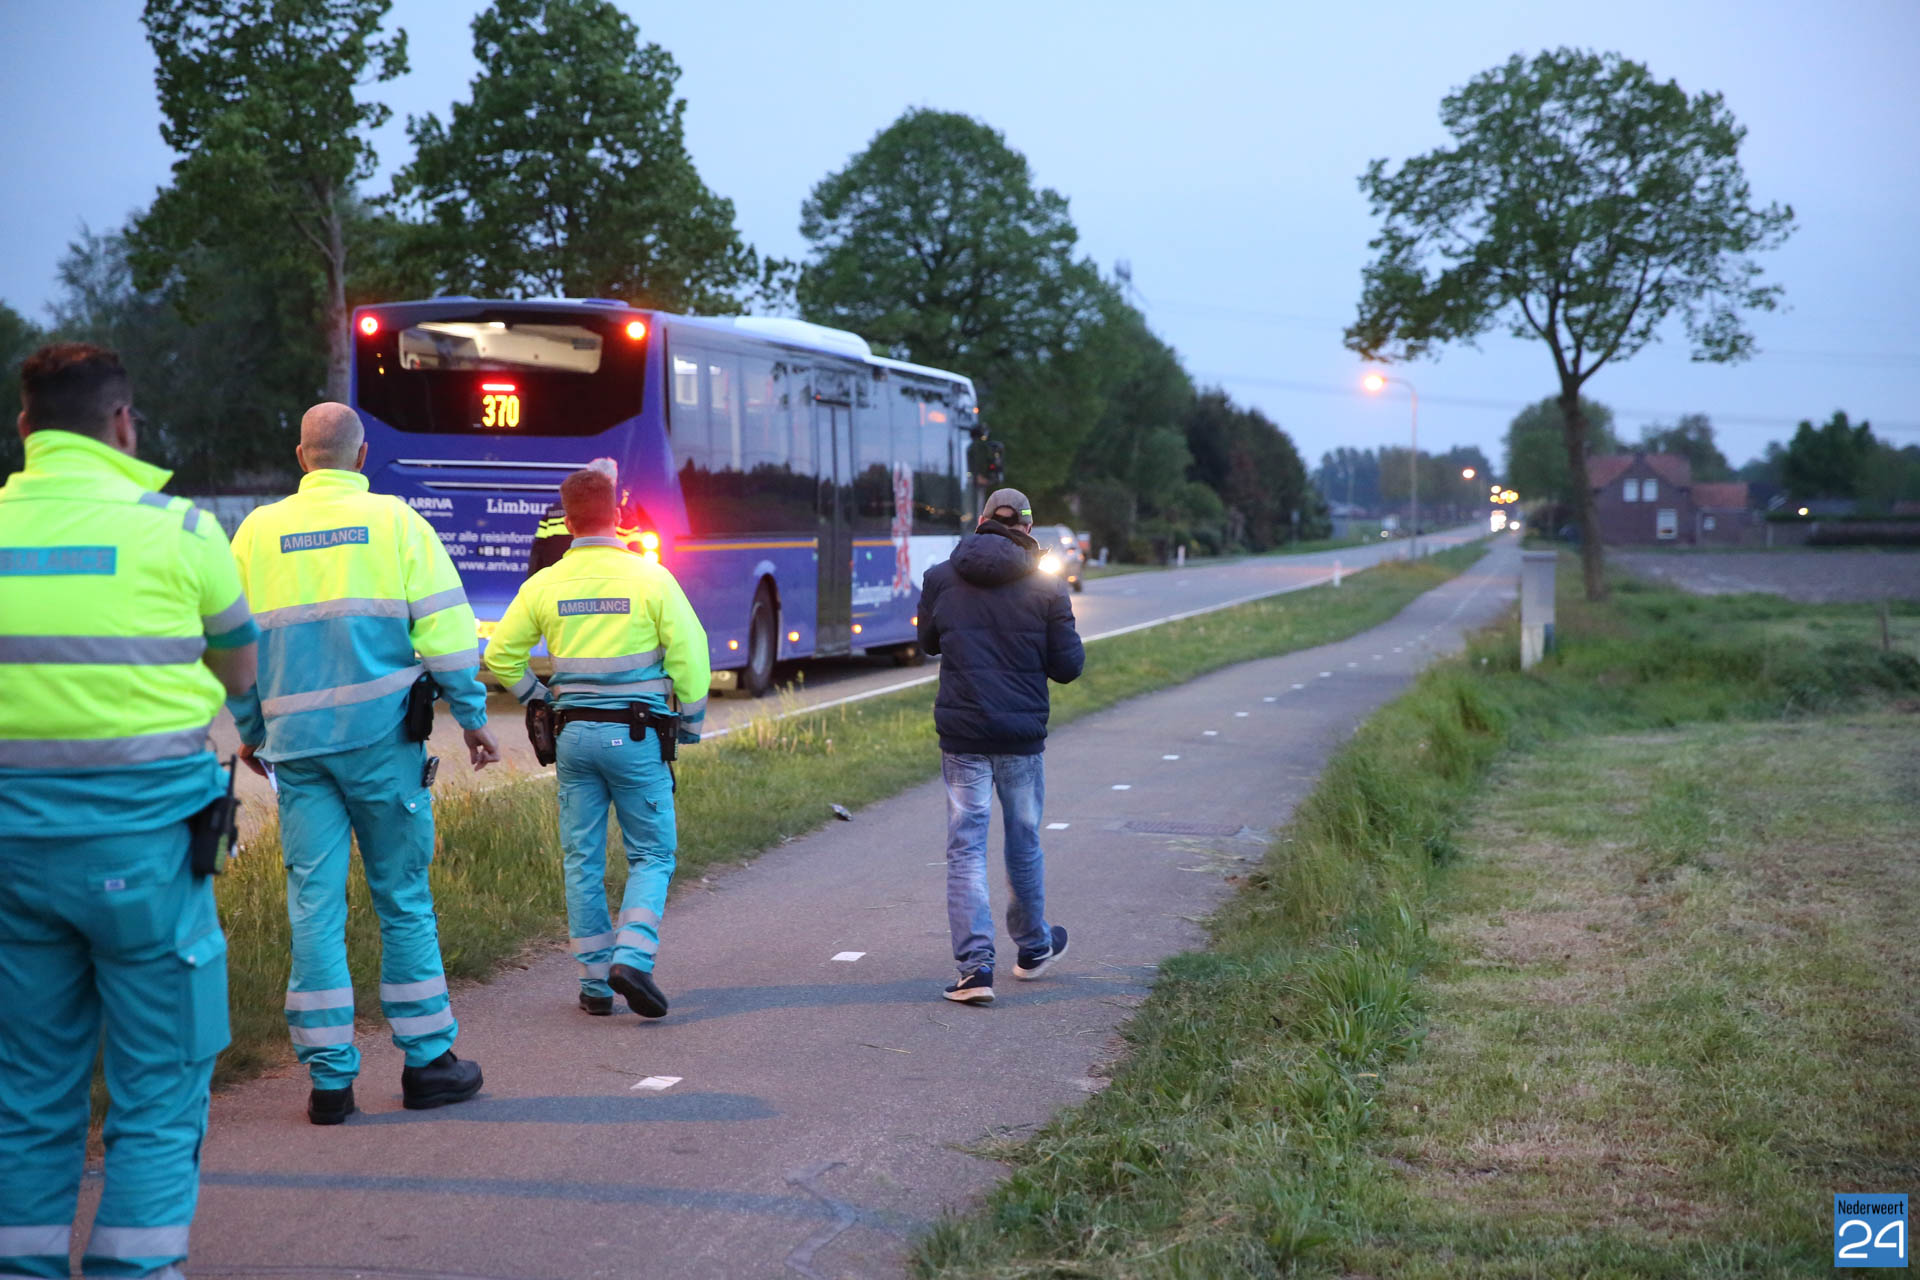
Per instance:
(833,432)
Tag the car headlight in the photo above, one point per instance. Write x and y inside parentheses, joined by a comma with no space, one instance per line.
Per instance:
(1049,563)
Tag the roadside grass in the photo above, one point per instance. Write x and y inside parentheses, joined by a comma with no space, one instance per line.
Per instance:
(1250,1129)
(1671,1011)
(496,873)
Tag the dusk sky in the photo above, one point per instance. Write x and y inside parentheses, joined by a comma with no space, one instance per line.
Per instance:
(1214,146)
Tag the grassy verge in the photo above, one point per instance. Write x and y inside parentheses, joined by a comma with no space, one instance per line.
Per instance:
(1254,1127)
(496,875)
(1367,537)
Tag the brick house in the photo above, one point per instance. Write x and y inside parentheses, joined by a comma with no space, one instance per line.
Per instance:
(1650,499)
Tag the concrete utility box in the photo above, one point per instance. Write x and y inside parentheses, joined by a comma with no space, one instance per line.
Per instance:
(1536,605)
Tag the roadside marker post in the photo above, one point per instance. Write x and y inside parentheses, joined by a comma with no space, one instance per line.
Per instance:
(1536,605)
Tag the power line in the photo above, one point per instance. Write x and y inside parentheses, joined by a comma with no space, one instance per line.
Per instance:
(1473,402)
(1891,359)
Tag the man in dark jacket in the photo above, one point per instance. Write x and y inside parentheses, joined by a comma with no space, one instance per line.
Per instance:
(1002,629)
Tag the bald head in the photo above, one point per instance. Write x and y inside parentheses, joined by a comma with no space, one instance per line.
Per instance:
(331,438)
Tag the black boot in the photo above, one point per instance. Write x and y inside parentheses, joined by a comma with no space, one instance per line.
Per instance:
(330,1106)
(598,1006)
(442,1082)
(637,986)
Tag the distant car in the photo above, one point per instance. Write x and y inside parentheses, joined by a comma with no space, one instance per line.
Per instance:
(1062,553)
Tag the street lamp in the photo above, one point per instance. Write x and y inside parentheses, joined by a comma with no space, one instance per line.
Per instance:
(1468,473)
(1375,383)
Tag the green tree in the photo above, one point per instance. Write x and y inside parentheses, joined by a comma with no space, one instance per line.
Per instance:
(1691,438)
(1244,457)
(19,338)
(1349,476)
(935,244)
(1536,455)
(567,171)
(1582,203)
(1830,460)
(258,97)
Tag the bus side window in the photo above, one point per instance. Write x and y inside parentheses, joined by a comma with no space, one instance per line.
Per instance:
(872,456)
(723,411)
(687,428)
(762,432)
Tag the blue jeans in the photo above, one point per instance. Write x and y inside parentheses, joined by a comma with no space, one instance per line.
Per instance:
(601,765)
(1022,783)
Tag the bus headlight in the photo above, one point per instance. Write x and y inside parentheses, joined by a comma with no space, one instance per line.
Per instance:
(1049,563)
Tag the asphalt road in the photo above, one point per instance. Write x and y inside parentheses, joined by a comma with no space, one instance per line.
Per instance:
(1107,605)
(805,1108)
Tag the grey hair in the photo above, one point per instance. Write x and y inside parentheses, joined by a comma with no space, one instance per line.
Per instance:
(606,467)
(331,435)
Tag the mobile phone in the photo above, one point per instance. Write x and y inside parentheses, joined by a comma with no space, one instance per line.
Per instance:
(430,772)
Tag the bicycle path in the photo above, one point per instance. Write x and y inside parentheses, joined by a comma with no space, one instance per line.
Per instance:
(800,1112)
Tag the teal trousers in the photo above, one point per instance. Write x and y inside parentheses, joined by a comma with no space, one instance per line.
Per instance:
(601,765)
(113,934)
(375,794)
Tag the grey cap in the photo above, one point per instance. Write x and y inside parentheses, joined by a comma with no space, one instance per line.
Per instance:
(1013,502)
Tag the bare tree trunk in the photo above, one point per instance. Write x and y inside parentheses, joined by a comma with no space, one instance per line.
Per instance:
(1574,421)
(339,339)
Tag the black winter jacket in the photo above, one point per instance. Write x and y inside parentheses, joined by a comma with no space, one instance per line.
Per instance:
(1002,630)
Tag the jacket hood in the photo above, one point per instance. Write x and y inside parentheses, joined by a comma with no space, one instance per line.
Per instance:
(996,555)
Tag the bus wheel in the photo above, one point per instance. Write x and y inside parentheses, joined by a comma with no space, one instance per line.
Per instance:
(757,676)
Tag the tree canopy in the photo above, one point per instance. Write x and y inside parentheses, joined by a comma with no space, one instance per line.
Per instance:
(935,244)
(1582,203)
(259,98)
(567,171)
(1692,438)
(1830,460)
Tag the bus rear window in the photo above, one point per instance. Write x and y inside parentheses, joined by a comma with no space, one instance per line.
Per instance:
(496,371)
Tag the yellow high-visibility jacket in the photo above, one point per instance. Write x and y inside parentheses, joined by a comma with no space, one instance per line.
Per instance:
(619,628)
(109,594)
(355,597)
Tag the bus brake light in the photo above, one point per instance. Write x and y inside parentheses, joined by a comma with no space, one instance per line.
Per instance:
(369,325)
(636,329)
(497,386)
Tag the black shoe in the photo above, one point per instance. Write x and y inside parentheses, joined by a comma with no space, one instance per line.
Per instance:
(442,1082)
(1031,964)
(598,1006)
(330,1106)
(636,985)
(974,988)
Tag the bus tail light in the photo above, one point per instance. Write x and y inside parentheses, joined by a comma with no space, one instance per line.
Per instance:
(636,329)
(733,644)
(369,325)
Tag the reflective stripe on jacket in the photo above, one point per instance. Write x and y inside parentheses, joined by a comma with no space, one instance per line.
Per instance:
(109,594)
(619,629)
(355,597)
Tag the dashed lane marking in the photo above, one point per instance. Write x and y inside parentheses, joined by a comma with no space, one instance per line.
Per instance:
(1241,715)
(1300,686)
(849,956)
(1210,733)
(1058,826)
(654,1084)
(1169,757)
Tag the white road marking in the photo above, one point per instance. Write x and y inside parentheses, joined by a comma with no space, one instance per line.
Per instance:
(1211,733)
(1169,757)
(1269,699)
(1240,715)
(1058,826)
(849,956)
(655,1084)
(1326,675)
(1123,786)
(1353,664)
(1299,686)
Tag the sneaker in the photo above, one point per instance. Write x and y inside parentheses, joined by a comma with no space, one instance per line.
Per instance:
(330,1106)
(441,1083)
(598,1006)
(1031,964)
(637,986)
(974,988)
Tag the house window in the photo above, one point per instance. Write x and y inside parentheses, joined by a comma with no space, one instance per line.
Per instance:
(1707,522)
(1666,524)
(1630,491)
(1649,490)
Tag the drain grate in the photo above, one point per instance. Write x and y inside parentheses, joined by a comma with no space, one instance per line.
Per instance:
(1141,828)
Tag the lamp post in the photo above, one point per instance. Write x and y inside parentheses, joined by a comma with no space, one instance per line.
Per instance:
(1375,383)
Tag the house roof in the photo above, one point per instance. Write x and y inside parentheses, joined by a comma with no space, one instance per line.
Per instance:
(1604,469)
(1729,496)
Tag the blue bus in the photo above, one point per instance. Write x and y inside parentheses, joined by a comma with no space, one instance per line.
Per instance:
(796,484)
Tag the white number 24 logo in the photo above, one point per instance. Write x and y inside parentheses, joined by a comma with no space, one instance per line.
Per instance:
(1856,1251)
